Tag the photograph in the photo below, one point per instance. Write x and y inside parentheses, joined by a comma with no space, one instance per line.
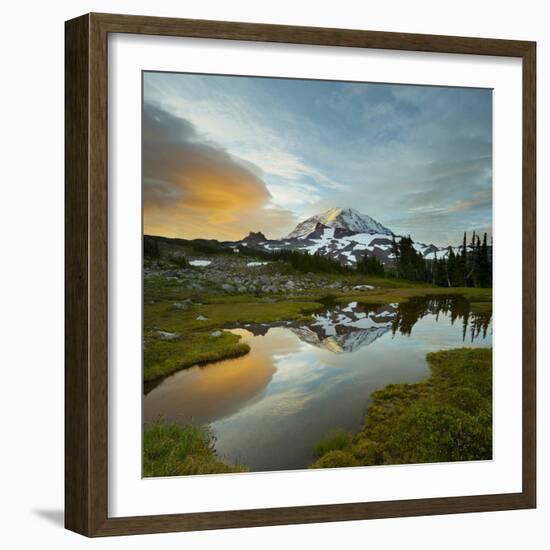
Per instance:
(317,274)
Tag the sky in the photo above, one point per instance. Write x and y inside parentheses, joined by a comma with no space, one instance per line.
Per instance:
(226,155)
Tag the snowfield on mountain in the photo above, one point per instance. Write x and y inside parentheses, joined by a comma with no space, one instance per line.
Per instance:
(339,218)
(343,234)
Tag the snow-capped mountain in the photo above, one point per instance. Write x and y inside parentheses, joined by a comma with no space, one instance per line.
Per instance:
(343,234)
(346,219)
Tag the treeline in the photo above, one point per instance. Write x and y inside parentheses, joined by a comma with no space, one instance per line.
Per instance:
(471,266)
(299,260)
(150,247)
(310,263)
(156,247)
(371,265)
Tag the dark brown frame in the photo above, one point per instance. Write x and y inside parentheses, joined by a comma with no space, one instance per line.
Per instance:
(86,427)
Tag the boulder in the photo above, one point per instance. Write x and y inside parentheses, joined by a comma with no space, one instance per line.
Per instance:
(163,335)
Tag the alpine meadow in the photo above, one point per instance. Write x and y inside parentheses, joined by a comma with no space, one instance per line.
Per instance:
(317,274)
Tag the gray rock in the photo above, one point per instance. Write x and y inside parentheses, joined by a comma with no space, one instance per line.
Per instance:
(363,287)
(216,333)
(163,335)
(201,318)
(227,287)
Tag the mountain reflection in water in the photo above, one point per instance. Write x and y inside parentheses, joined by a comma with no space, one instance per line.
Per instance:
(346,328)
(301,380)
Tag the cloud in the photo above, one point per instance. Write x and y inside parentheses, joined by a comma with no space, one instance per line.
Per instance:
(195,188)
(240,115)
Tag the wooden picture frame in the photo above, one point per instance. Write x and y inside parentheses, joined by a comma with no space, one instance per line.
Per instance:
(86,283)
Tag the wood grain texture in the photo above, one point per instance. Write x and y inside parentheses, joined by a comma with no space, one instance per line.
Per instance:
(86,356)
(529,275)
(77,459)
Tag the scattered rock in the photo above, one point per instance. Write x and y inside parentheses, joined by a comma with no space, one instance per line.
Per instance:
(163,335)
(216,333)
(202,318)
(363,287)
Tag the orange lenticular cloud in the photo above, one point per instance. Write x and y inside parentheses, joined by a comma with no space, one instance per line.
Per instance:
(192,188)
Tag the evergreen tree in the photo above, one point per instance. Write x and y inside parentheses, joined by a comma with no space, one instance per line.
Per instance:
(370,265)
(451,268)
(463,263)
(150,247)
(485,267)
(410,264)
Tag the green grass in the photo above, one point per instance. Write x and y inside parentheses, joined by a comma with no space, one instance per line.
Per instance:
(223,313)
(447,417)
(400,295)
(195,343)
(172,450)
(336,440)
(164,357)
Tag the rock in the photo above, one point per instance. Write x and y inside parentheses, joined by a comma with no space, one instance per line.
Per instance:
(290,284)
(201,318)
(242,289)
(180,305)
(171,273)
(163,335)
(196,286)
(227,288)
(363,287)
(216,333)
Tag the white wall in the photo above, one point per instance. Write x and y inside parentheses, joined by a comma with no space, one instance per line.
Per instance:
(31,218)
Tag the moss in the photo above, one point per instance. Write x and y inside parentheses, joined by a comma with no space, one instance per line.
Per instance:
(334,441)
(164,357)
(173,450)
(447,417)
(194,343)
(381,296)
(336,459)
(219,314)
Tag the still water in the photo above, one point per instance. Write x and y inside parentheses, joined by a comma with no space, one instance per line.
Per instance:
(300,381)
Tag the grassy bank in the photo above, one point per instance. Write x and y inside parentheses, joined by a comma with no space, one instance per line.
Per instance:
(447,417)
(172,450)
(397,295)
(194,333)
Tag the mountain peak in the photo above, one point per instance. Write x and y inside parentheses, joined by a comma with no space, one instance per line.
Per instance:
(255,237)
(344,218)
